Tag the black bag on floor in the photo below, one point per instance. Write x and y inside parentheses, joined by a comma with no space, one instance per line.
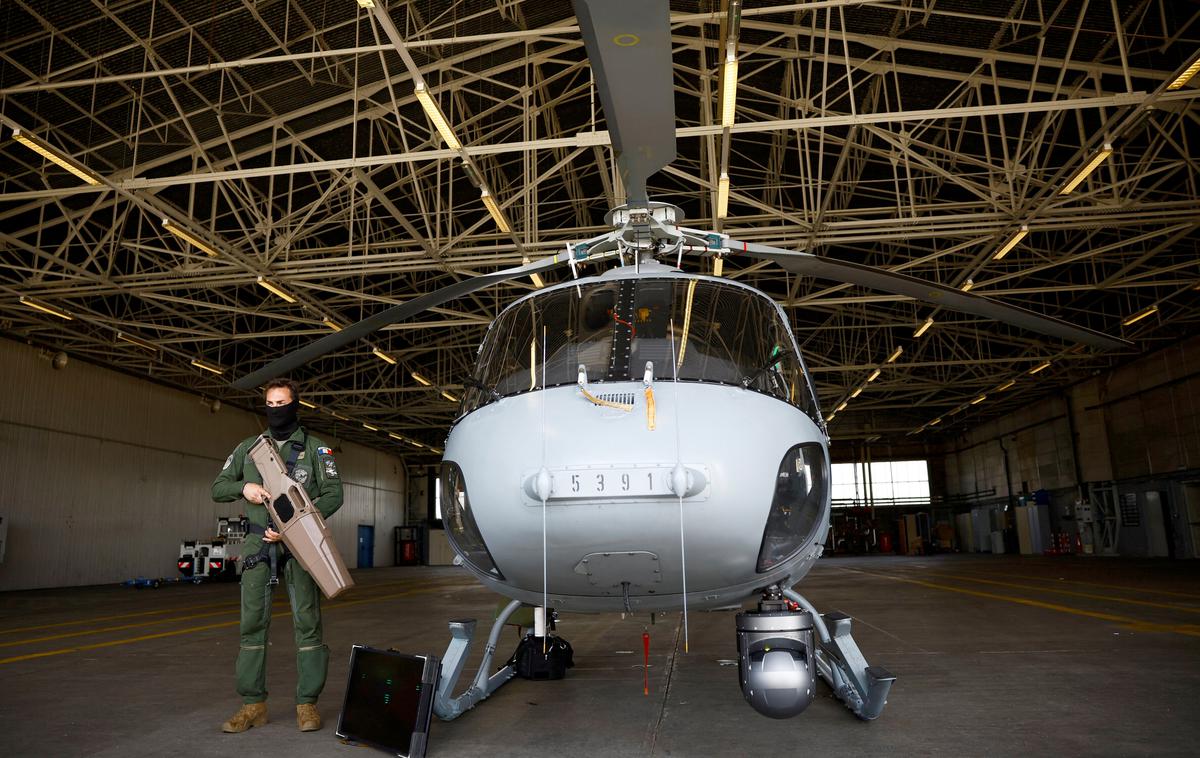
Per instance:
(531,663)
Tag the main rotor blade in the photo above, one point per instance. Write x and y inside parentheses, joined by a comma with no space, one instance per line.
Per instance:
(331,342)
(929,292)
(629,47)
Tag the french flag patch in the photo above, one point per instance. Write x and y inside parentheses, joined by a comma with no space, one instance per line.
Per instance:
(324,451)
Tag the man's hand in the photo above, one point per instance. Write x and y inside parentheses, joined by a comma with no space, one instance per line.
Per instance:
(255,493)
(272,536)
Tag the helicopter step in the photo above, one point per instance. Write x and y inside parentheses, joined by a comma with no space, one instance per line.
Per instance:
(862,687)
(462,632)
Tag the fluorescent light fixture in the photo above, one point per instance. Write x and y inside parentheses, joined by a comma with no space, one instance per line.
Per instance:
(1138,317)
(338,416)
(189,238)
(46,308)
(449,397)
(979,400)
(719,267)
(372,428)
(1020,235)
(1005,386)
(210,367)
(414,443)
(535,277)
(307,404)
(898,352)
(368,4)
(924,327)
(1186,76)
(875,374)
(395,436)
(832,416)
(935,422)
(274,289)
(435,115)
(841,407)
(61,159)
(1091,166)
(335,326)
(723,195)
(729,91)
(383,356)
(967,285)
(421,379)
(856,393)
(493,209)
(1039,367)
(437,450)
(138,341)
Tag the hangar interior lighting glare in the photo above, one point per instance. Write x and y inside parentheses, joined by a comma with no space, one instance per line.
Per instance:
(56,157)
(1091,166)
(1139,316)
(923,327)
(967,285)
(1012,242)
(1186,76)
(1005,386)
(368,4)
(421,379)
(383,356)
(729,91)
(1039,367)
(723,196)
(189,238)
(435,115)
(209,367)
(449,396)
(275,289)
(46,308)
(875,374)
(335,326)
(307,404)
(979,400)
(493,209)
(895,354)
(137,341)
(372,428)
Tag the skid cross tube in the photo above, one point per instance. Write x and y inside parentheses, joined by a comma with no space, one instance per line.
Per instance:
(461,633)
(862,687)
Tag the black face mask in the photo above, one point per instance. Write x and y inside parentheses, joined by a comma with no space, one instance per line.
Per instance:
(283,419)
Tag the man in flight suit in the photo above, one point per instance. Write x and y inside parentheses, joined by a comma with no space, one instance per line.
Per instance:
(315,469)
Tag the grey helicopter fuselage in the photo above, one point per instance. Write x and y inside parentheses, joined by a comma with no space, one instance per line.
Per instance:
(595,404)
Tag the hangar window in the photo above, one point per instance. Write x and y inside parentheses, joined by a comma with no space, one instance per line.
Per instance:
(880,483)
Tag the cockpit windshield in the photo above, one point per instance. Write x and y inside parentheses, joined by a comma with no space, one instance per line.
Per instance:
(699,330)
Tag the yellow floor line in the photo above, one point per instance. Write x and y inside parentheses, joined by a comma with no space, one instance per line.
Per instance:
(1190,630)
(1089,595)
(94,619)
(193,629)
(1122,587)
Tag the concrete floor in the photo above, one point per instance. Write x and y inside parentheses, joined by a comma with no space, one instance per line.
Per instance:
(995,656)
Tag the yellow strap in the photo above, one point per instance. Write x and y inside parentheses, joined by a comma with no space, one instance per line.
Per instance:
(650,408)
(627,407)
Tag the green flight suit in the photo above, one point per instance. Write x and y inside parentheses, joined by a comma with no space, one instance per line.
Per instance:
(317,471)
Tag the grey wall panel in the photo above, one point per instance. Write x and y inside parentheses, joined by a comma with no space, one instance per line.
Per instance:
(103,475)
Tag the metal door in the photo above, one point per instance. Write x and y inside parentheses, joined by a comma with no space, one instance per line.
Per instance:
(366,546)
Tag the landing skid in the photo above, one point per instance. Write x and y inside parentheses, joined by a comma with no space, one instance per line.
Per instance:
(863,688)
(461,633)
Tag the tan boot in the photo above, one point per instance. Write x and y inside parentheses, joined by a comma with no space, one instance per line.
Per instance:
(307,717)
(250,714)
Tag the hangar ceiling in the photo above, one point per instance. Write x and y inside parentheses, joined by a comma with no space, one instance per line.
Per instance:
(916,135)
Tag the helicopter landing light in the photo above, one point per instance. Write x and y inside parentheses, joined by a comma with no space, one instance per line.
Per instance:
(604,483)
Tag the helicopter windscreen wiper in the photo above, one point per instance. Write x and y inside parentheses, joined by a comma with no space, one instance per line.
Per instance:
(472,381)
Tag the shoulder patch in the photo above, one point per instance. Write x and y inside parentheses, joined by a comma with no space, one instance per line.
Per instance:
(324,451)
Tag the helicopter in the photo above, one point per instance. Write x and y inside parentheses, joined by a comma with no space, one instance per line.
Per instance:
(647,439)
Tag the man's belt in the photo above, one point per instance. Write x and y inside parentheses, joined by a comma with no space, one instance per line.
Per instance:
(299,523)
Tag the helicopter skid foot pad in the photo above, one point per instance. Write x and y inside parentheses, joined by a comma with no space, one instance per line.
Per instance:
(861,687)
(462,631)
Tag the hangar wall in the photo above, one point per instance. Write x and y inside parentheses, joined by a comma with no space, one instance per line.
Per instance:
(103,475)
(1137,426)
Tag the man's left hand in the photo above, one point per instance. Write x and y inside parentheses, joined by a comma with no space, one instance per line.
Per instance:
(272,536)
